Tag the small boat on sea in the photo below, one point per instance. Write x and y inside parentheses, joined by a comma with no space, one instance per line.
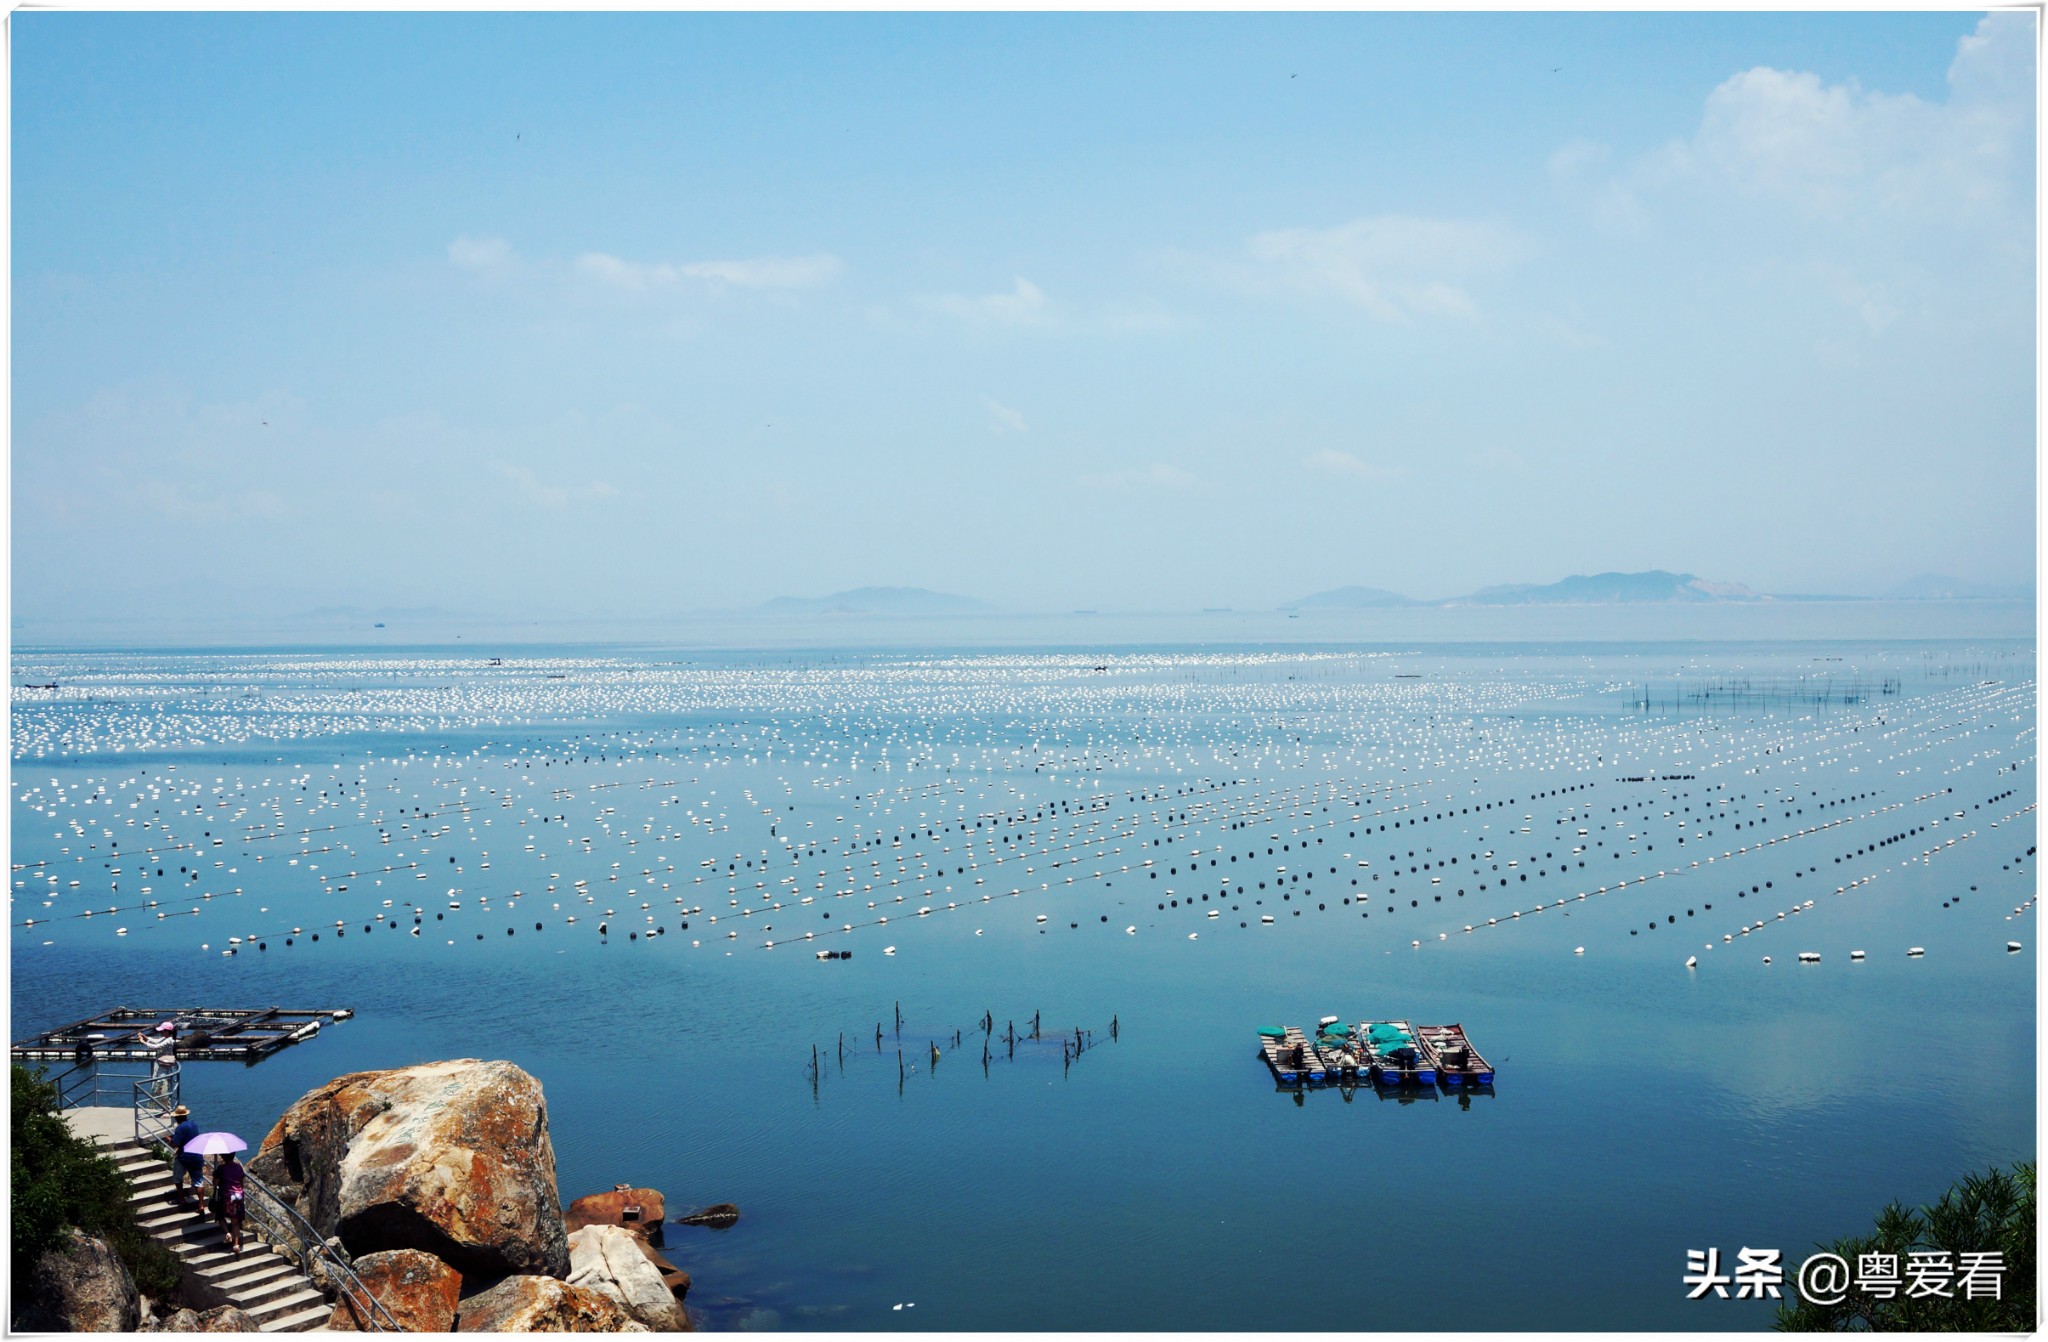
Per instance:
(1457,1062)
(1287,1053)
(1393,1055)
(1343,1058)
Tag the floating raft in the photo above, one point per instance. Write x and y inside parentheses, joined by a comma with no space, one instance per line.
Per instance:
(205,1034)
(1392,1054)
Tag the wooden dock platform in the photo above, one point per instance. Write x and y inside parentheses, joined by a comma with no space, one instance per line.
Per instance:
(204,1034)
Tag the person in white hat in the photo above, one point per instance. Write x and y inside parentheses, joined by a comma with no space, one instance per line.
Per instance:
(192,1166)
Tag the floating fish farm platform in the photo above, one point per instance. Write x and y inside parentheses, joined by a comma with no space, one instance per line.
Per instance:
(204,1034)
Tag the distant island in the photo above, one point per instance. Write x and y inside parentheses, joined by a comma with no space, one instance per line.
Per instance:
(1350,598)
(877,601)
(1609,589)
(1652,586)
(1599,589)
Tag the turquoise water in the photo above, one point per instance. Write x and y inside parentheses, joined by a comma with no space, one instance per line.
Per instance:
(1161,1180)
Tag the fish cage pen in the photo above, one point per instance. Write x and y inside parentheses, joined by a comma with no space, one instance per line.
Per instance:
(1752,694)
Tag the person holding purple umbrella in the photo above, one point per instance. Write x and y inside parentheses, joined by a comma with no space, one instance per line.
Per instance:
(228,1182)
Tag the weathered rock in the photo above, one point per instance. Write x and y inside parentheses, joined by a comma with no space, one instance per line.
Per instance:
(417,1289)
(224,1318)
(450,1158)
(719,1216)
(618,1208)
(611,1259)
(543,1305)
(673,1277)
(82,1286)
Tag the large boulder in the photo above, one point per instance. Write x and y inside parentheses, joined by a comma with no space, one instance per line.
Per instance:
(81,1286)
(417,1289)
(544,1305)
(220,1319)
(615,1261)
(641,1210)
(450,1158)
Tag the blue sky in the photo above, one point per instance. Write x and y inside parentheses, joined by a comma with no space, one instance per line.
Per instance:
(632,315)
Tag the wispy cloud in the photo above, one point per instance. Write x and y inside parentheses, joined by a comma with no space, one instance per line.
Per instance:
(1329,461)
(1024,304)
(763,272)
(1158,475)
(552,495)
(184,503)
(1393,266)
(483,256)
(1007,420)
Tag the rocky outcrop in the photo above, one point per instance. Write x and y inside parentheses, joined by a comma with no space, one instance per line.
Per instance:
(224,1319)
(543,1305)
(615,1261)
(450,1158)
(82,1286)
(719,1216)
(641,1210)
(417,1289)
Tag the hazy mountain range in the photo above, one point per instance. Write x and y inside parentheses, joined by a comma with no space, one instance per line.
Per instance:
(877,601)
(1596,589)
(1654,585)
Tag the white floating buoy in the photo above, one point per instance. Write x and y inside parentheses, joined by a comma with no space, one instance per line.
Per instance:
(888,950)
(1914,952)
(1576,950)
(1855,955)
(1809,957)
(1767,959)
(1693,960)
(2012,945)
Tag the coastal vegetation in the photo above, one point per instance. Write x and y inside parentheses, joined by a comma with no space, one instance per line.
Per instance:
(60,1182)
(1988,1213)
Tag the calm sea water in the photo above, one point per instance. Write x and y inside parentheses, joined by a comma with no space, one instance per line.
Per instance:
(1161,1180)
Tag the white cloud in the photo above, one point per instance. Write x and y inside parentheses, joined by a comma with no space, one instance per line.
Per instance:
(485,256)
(1839,155)
(551,495)
(1395,267)
(1329,461)
(1006,419)
(1025,304)
(766,272)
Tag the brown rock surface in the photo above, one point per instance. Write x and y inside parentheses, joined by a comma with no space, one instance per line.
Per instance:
(220,1319)
(450,1158)
(528,1304)
(417,1289)
(609,1209)
(82,1287)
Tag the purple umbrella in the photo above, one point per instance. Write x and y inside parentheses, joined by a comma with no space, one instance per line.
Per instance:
(215,1144)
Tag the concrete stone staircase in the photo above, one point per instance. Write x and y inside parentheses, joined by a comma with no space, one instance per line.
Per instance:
(260,1280)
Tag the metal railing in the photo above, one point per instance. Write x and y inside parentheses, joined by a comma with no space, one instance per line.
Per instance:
(153,1096)
(280,1223)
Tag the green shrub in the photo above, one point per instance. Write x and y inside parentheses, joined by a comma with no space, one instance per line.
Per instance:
(1991,1212)
(60,1180)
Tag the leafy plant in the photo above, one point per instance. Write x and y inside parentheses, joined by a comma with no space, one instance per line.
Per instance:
(59,1180)
(1991,1212)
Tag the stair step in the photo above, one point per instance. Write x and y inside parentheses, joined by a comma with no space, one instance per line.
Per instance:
(302,1298)
(253,1280)
(300,1322)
